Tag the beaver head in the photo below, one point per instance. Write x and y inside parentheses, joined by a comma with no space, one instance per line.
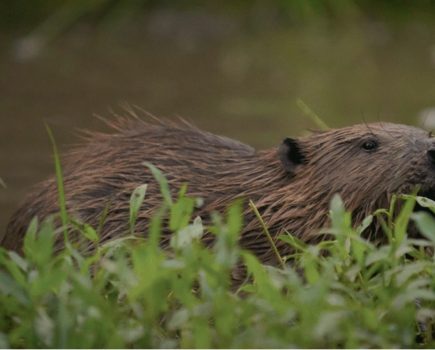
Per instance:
(365,164)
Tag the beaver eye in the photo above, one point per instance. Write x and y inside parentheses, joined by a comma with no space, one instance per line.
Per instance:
(370,145)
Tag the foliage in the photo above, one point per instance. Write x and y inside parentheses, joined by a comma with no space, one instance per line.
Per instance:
(345,292)
(65,13)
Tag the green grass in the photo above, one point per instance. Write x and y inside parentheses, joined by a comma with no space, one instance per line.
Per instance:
(345,292)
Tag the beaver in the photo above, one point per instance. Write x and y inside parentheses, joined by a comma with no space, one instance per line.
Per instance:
(291,184)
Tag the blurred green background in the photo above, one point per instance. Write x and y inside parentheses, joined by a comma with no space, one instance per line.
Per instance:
(232,67)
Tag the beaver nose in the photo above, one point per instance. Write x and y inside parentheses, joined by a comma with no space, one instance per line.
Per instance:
(431,155)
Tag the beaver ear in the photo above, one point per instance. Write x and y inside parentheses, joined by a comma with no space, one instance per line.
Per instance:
(290,154)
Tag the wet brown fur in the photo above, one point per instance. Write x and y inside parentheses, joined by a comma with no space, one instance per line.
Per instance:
(291,197)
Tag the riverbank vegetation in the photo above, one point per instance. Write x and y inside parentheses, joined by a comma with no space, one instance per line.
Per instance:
(345,292)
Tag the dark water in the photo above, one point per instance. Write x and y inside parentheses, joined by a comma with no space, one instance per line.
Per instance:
(240,83)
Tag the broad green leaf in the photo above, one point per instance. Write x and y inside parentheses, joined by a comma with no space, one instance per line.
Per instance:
(136,200)
(18,260)
(411,269)
(9,287)
(365,224)
(186,235)
(401,223)
(426,203)
(181,213)
(257,270)
(30,236)
(40,248)
(235,220)
(358,250)
(425,224)
(90,233)
(293,241)
(162,181)
(340,218)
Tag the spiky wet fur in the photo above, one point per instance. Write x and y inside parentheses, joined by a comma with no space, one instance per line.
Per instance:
(103,173)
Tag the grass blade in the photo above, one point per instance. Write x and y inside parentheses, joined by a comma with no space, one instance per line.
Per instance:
(266,231)
(311,114)
(60,184)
